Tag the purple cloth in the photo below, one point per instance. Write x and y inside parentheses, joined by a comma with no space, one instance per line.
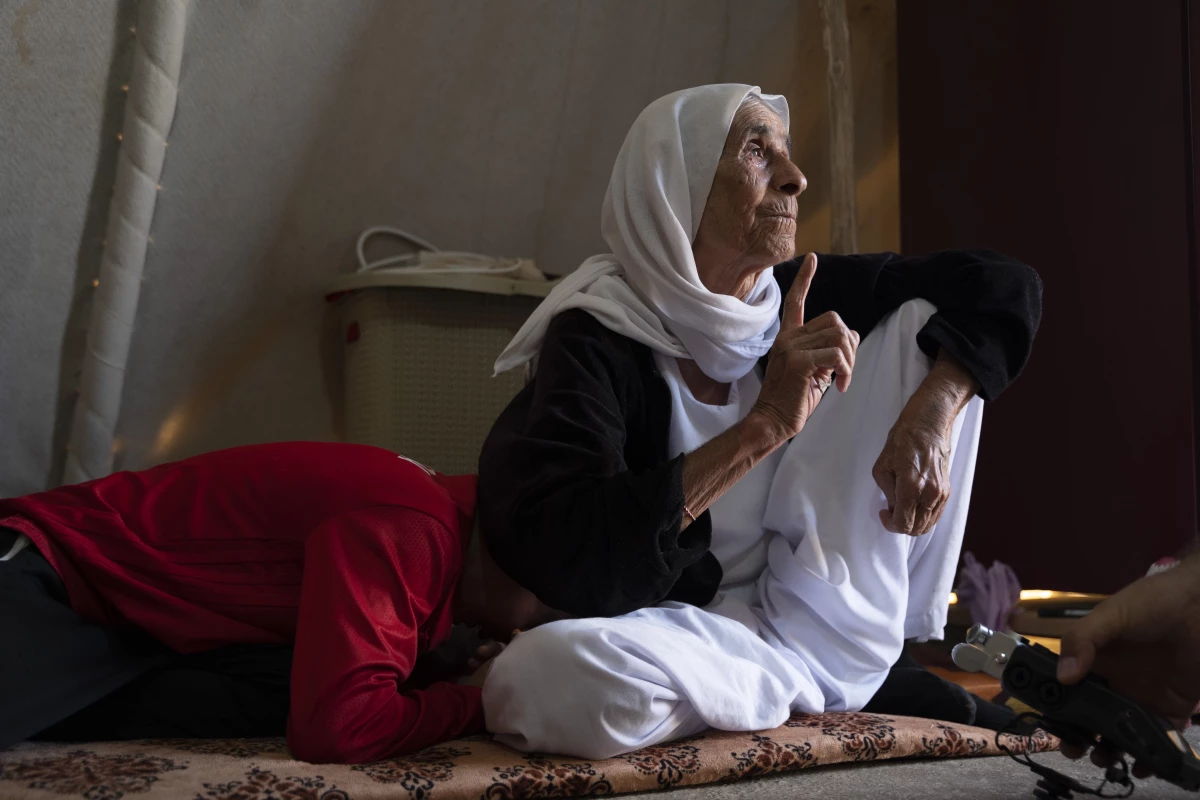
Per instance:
(989,593)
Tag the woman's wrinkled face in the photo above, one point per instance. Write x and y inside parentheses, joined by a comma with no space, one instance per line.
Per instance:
(749,221)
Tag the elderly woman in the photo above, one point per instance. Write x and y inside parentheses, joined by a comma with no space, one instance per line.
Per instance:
(743,544)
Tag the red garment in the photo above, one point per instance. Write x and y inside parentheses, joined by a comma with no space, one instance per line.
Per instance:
(350,551)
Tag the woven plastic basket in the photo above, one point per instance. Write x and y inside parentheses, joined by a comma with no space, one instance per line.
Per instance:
(418,361)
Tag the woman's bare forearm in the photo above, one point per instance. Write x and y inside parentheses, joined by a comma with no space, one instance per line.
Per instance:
(945,391)
(709,471)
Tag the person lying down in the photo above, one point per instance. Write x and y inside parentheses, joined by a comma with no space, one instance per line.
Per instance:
(166,602)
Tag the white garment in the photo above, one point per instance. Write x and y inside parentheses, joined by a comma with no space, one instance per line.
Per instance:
(832,610)
(738,539)
(596,688)
(648,288)
(842,593)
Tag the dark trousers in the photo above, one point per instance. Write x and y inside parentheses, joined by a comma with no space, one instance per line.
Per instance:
(64,678)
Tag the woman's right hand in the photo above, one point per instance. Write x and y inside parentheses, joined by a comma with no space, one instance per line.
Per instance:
(805,358)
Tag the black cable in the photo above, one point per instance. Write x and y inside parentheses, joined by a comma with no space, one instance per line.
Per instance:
(1054,785)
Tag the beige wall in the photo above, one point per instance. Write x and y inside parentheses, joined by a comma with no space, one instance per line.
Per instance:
(478,124)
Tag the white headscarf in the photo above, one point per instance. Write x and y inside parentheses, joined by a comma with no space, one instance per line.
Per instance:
(648,288)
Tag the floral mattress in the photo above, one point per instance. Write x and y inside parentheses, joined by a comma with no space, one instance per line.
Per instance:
(473,767)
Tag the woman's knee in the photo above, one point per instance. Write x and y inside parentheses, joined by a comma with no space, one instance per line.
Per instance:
(899,328)
(913,314)
(894,340)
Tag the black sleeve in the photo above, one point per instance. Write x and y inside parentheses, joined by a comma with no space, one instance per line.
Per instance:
(563,514)
(989,305)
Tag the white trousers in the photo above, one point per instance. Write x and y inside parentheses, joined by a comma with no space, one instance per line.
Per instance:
(818,631)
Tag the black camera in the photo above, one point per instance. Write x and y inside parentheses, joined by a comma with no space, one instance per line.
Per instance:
(1084,711)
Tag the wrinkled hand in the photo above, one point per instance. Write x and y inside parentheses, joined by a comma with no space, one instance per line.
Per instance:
(914,468)
(805,359)
(1145,641)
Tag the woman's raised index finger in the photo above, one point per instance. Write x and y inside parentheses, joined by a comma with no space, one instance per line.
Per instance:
(793,304)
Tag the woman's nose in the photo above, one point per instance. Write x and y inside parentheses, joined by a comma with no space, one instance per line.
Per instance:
(790,180)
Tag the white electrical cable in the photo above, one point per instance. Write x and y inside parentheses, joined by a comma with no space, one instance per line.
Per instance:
(409,237)
(430,258)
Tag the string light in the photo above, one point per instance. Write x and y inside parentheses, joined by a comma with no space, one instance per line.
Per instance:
(158,186)
(125,87)
(120,137)
(95,283)
(133,29)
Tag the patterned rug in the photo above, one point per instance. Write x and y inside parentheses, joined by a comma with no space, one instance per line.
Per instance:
(473,767)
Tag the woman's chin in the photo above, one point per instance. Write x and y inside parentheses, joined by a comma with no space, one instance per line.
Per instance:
(782,247)
(776,239)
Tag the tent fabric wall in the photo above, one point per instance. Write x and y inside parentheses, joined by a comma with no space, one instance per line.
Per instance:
(148,113)
(62,64)
(488,126)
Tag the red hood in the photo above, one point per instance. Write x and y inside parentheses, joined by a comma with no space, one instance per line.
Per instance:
(461,489)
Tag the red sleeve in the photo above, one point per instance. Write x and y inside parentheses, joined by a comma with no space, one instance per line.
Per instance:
(372,578)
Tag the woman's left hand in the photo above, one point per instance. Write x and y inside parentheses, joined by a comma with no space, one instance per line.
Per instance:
(914,468)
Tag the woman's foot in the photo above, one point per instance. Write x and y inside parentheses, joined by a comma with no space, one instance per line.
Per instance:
(912,691)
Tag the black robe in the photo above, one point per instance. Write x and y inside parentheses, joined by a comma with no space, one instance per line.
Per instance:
(579,499)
